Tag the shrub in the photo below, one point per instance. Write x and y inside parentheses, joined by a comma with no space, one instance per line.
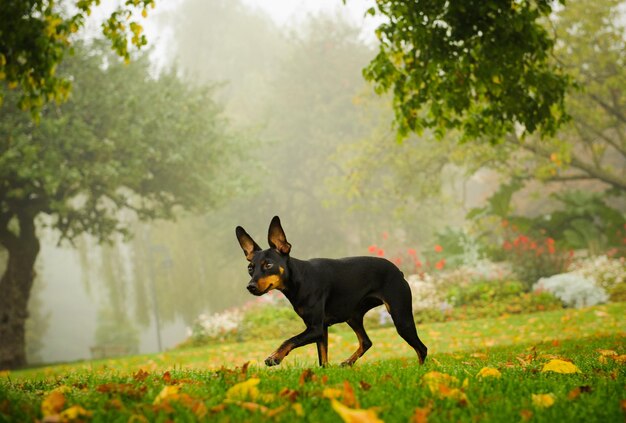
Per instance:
(573,290)
(608,273)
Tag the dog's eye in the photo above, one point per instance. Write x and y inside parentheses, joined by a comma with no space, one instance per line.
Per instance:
(250,269)
(268,265)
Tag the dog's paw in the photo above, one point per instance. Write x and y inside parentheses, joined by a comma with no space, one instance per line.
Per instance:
(272,361)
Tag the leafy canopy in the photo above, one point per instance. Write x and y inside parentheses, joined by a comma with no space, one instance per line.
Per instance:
(124,142)
(483,67)
(35,36)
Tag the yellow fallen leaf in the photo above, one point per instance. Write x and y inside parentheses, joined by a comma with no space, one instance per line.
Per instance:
(607,353)
(486,372)
(543,400)
(168,393)
(434,379)
(560,366)
(331,393)
(74,413)
(52,403)
(297,407)
(244,390)
(452,393)
(350,415)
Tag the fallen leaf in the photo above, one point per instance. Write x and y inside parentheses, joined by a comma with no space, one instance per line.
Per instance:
(420,415)
(620,359)
(348,397)
(141,375)
(349,415)
(486,372)
(168,393)
(217,408)
(575,393)
(167,377)
(364,385)
(607,353)
(452,393)
(290,394)
(482,356)
(297,407)
(75,412)
(244,390)
(305,376)
(526,414)
(331,393)
(543,400)
(53,403)
(560,366)
(433,379)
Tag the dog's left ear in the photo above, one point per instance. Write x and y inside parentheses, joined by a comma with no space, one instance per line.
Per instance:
(276,237)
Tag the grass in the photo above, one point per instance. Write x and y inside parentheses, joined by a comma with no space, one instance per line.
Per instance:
(194,384)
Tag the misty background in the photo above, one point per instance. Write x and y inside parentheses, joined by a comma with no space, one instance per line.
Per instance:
(314,145)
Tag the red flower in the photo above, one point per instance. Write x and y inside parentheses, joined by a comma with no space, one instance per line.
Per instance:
(380,252)
(418,264)
(411,252)
(385,235)
(507,245)
(440,264)
(438,248)
(372,248)
(505,223)
(397,261)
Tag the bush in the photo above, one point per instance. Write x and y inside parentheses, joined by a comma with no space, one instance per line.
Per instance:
(608,273)
(573,290)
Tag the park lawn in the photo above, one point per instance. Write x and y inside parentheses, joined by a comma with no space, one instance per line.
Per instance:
(213,383)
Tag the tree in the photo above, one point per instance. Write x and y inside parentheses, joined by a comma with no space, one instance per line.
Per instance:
(483,67)
(124,145)
(36,35)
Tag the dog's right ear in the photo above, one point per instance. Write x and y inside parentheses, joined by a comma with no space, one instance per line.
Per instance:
(248,245)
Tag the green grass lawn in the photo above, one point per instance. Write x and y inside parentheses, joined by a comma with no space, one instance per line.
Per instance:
(212,383)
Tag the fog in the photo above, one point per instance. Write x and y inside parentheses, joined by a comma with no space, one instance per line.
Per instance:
(313,144)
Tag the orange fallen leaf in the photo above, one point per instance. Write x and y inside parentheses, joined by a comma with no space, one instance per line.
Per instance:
(543,400)
(526,415)
(348,397)
(305,376)
(141,375)
(560,366)
(607,353)
(453,394)
(167,377)
(420,415)
(620,359)
(350,415)
(364,385)
(433,379)
(290,394)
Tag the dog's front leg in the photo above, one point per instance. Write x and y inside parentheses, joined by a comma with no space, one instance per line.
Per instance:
(311,334)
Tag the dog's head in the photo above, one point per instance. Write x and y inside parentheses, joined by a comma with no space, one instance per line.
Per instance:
(267,268)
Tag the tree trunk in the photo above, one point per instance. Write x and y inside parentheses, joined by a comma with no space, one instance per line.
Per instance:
(15,287)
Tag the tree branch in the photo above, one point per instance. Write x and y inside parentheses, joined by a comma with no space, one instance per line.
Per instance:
(615,112)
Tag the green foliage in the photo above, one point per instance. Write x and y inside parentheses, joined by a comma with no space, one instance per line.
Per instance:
(36,36)
(124,142)
(478,66)
(584,221)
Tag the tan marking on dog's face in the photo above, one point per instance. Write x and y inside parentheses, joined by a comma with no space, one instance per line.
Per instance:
(271,282)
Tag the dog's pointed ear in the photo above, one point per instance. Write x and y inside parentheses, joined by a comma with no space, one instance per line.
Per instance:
(276,237)
(248,245)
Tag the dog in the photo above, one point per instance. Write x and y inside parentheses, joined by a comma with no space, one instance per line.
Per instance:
(324,292)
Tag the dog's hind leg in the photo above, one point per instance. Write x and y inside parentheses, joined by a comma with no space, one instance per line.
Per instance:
(322,349)
(397,298)
(356,323)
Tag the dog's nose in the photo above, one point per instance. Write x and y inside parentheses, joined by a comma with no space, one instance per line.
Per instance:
(252,288)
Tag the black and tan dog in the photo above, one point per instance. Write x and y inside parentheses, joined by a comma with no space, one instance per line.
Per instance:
(326,291)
